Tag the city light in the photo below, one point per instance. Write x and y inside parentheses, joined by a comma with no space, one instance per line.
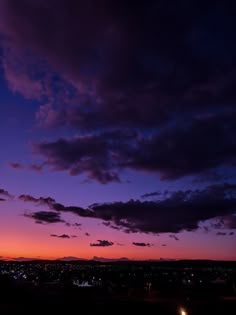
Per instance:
(183,312)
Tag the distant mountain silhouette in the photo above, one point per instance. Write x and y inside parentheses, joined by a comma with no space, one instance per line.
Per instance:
(102,259)
(25,259)
(123,260)
(70,258)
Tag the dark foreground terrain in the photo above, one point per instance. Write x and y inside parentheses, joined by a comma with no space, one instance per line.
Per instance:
(184,288)
(23,302)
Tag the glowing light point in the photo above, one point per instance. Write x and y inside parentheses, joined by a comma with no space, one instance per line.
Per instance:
(183,312)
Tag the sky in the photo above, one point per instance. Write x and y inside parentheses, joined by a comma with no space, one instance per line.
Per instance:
(117,129)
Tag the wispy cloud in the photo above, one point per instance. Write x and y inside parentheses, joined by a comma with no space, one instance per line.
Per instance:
(60,236)
(53,205)
(36,167)
(16,165)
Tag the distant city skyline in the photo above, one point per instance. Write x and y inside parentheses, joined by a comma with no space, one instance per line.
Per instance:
(117,130)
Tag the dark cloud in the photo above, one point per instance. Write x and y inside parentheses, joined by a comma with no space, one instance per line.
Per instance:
(16,165)
(44,217)
(130,69)
(109,224)
(231,233)
(218,223)
(60,236)
(173,212)
(174,237)
(198,145)
(163,245)
(87,234)
(181,210)
(85,154)
(4,193)
(221,233)
(204,143)
(78,225)
(141,244)
(2,199)
(229,221)
(32,167)
(143,65)
(53,205)
(225,222)
(102,243)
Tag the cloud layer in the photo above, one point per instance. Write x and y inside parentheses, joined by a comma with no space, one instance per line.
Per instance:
(171,212)
(199,145)
(111,66)
(178,211)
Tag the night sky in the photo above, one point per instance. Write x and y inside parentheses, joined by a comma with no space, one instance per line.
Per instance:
(118,129)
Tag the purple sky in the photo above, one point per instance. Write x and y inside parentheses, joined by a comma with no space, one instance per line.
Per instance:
(117,129)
